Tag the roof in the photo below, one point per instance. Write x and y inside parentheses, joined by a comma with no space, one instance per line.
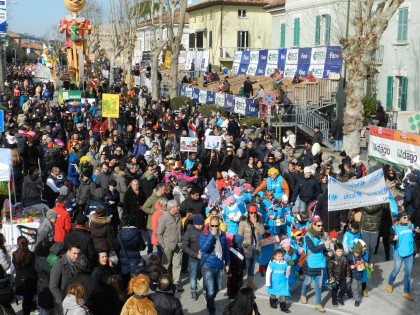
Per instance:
(35,46)
(165,19)
(274,4)
(14,35)
(209,3)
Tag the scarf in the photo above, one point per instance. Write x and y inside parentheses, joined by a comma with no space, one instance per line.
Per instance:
(218,251)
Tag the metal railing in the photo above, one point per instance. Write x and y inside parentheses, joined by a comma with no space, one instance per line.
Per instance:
(378,54)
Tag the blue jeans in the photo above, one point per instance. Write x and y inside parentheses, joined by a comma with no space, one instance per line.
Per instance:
(250,263)
(150,245)
(318,286)
(193,267)
(338,145)
(213,283)
(408,265)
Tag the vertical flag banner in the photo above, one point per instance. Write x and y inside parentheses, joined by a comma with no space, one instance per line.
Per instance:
(3,18)
(202,99)
(240,105)
(110,105)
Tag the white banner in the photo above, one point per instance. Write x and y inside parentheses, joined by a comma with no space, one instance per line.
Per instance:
(292,56)
(252,69)
(269,70)
(395,146)
(202,97)
(255,56)
(289,71)
(189,92)
(366,191)
(317,70)
(220,99)
(235,68)
(237,57)
(240,105)
(318,55)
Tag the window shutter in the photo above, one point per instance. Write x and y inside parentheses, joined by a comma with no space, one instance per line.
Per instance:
(327,29)
(283,35)
(402,25)
(192,40)
(389,92)
(296,32)
(318,31)
(404,82)
(210,39)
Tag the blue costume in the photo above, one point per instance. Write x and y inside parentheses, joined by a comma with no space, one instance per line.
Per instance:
(278,284)
(348,240)
(232,216)
(276,186)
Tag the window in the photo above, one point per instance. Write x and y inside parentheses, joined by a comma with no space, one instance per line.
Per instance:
(296,32)
(389,92)
(191,40)
(241,14)
(402,25)
(327,34)
(200,39)
(210,39)
(318,31)
(401,92)
(323,23)
(243,39)
(283,35)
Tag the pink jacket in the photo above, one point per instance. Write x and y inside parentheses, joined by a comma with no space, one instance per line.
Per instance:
(179,175)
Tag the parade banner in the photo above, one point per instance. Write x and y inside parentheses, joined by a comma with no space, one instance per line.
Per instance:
(213,192)
(273,57)
(188,144)
(213,142)
(229,102)
(394,146)
(251,110)
(220,99)
(202,98)
(110,105)
(3,18)
(366,191)
(318,55)
(240,105)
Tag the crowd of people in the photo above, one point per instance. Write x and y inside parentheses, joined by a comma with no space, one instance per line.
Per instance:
(124,187)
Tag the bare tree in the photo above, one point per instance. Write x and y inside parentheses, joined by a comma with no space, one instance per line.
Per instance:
(175,40)
(371,18)
(94,12)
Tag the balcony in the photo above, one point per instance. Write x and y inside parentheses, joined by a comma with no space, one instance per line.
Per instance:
(378,55)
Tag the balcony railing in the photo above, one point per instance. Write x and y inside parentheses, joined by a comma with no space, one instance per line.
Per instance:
(378,55)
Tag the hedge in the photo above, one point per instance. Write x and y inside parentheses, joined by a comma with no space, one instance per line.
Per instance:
(178,101)
(207,110)
(250,121)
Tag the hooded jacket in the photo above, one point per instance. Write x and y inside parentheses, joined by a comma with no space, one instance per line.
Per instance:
(71,307)
(100,229)
(63,225)
(98,200)
(86,191)
(131,239)
(165,303)
(207,244)
(73,171)
(190,242)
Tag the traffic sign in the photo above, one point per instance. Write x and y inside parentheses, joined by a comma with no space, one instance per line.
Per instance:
(269,99)
(1,121)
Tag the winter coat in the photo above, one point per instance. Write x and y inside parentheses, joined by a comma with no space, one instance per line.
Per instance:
(4,259)
(352,260)
(198,206)
(337,268)
(207,244)
(72,171)
(147,187)
(317,137)
(179,194)
(337,130)
(26,276)
(131,207)
(328,217)
(81,236)
(121,184)
(86,191)
(92,290)
(238,164)
(98,201)
(190,242)
(249,175)
(165,303)
(45,297)
(155,220)
(307,189)
(100,229)
(45,231)
(102,179)
(70,306)
(169,231)
(371,218)
(101,273)
(246,231)
(32,190)
(63,225)
(149,207)
(61,272)
(133,243)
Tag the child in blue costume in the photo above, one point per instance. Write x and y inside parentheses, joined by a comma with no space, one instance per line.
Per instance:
(73,171)
(291,258)
(247,194)
(276,217)
(277,281)
(297,221)
(232,215)
(350,235)
(265,204)
(239,199)
(266,252)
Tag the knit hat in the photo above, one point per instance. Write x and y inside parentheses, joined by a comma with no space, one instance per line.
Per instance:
(307,169)
(231,173)
(225,174)
(230,199)
(302,217)
(51,215)
(277,154)
(182,183)
(198,219)
(239,151)
(284,198)
(243,144)
(296,232)
(285,243)
(247,187)
(238,191)
(270,155)
(50,145)
(333,234)
(81,219)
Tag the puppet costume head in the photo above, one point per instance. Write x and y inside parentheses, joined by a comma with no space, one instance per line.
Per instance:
(139,303)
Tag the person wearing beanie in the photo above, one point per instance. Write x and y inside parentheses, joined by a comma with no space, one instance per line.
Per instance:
(63,225)
(291,256)
(307,189)
(46,228)
(232,216)
(180,191)
(191,246)
(238,162)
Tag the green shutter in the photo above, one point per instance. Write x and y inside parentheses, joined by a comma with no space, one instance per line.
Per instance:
(283,35)
(318,30)
(296,32)
(402,25)
(404,82)
(389,92)
(327,30)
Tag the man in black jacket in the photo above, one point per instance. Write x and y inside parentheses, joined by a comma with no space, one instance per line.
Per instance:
(307,188)
(193,201)
(191,247)
(163,299)
(317,137)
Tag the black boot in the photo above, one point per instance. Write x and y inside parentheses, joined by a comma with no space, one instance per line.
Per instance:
(284,308)
(273,302)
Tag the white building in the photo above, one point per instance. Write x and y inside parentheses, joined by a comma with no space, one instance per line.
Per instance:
(309,23)
(145,36)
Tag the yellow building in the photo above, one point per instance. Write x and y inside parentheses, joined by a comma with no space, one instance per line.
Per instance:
(224,26)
